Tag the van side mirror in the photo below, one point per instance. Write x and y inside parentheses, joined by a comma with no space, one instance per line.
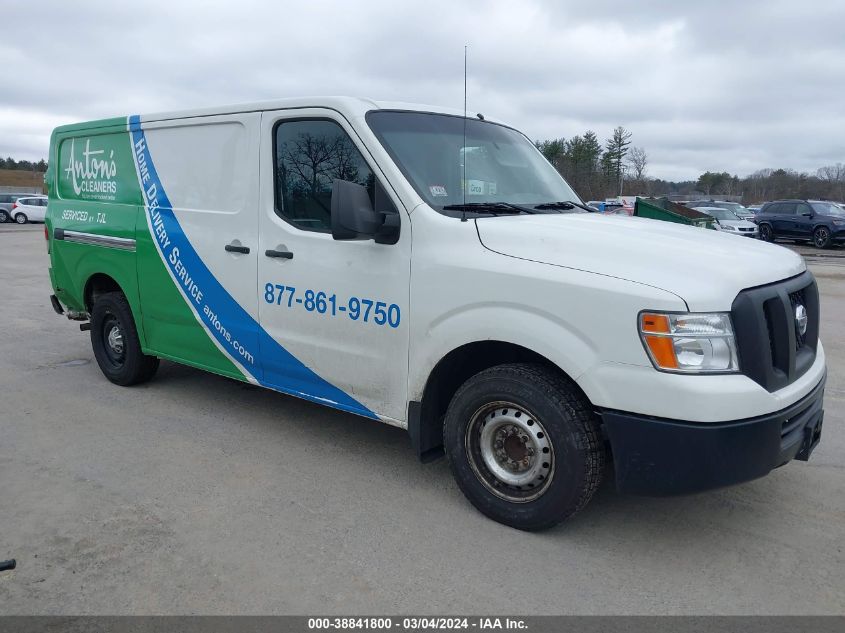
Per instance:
(354,218)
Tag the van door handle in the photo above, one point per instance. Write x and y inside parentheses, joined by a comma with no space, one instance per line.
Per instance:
(282,254)
(234,248)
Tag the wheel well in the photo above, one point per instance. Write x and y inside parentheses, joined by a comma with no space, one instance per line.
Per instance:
(425,419)
(99,284)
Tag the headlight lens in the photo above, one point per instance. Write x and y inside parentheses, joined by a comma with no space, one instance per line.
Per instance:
(690,343)
(728,227)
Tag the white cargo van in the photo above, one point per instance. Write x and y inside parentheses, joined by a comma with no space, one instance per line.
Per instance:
(413,266)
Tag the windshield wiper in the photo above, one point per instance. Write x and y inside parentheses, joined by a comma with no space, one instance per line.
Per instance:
(564,206)
(490,207)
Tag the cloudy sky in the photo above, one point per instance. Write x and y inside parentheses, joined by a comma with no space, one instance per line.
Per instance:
(733,85)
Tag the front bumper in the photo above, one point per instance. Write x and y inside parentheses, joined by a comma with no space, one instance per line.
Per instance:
(656,456)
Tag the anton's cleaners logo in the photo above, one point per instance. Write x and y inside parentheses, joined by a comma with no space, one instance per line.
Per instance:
(93,172)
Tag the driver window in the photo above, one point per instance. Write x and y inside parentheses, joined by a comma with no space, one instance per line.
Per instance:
(309,155)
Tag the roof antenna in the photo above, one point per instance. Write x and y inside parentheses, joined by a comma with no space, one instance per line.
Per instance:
(464,153)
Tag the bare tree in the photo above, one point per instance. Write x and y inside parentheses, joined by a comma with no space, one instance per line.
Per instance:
(834,175)
(638,160)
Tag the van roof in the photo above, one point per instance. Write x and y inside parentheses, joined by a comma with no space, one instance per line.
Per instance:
(350,107)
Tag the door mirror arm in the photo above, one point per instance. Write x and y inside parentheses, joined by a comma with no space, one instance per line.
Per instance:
(388,232)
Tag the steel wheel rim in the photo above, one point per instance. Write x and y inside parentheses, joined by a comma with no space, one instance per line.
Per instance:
(510,452)
(113,341)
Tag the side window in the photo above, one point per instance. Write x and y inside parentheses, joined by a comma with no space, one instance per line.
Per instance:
(309,155)
(803,208)
(788,208)
(5,198)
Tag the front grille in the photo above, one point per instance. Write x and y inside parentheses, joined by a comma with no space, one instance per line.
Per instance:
(772,351)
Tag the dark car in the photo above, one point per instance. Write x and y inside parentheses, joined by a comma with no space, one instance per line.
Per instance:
(816,220)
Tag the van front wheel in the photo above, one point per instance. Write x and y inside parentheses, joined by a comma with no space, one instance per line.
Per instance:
(524,445)
(115,342)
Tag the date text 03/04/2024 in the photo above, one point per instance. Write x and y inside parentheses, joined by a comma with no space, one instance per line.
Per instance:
(319,302)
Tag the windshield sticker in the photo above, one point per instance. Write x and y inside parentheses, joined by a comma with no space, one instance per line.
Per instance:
(438,191)
(480,188)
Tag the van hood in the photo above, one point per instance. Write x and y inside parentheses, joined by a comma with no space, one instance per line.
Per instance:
(705,268)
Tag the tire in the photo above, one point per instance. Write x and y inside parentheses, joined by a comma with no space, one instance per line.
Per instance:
(115,342)
(821,237)
(4,216)
(766,233)
(524,445)
(20,218)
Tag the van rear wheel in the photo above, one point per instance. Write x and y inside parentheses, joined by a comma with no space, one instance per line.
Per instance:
(4,216)
(524,445)
(115,342)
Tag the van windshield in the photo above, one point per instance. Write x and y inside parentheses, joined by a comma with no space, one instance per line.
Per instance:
(502,165)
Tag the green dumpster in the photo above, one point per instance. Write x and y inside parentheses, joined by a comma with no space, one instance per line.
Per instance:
(668,211)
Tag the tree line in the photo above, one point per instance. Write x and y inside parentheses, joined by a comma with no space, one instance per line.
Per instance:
(597,171)
(594,169)
(23,165)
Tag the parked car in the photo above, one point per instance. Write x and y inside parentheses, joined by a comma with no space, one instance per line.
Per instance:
(6,202)
(816,220)
(735,207)
(30,209)
(730,223)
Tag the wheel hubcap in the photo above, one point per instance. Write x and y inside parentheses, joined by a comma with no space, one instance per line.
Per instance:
(115,340)
(114,346)
(20,219)
(510,452)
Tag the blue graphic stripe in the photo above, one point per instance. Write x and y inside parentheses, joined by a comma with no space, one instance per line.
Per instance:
(240,335)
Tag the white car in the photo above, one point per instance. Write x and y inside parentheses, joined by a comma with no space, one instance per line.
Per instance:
(31,209)
(729,223)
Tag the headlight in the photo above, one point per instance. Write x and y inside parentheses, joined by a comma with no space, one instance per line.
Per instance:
(839,222)
(728,227)
(690,343)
